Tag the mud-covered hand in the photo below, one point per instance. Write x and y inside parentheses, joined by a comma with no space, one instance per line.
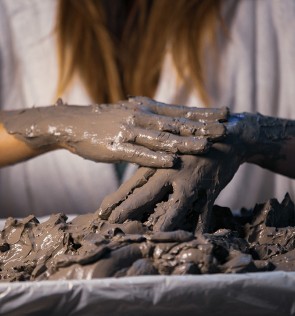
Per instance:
(183,197)
(139,130)
(168,199)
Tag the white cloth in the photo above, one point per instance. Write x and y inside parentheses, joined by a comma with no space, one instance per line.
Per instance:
(257,75)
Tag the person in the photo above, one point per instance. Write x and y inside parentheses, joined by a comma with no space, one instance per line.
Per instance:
(166,52)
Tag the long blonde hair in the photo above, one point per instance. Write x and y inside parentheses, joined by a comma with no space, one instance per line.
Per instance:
(117,47)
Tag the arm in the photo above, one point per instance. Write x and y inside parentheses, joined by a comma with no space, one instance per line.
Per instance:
(14,150)
(285,165)
(266,141)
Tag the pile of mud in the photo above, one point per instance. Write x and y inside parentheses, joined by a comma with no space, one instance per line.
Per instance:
(262,239)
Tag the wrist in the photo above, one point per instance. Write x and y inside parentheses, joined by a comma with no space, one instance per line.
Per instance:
(243,132)
(33,126)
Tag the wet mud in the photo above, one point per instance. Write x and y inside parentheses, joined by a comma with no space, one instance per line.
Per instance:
(262,239)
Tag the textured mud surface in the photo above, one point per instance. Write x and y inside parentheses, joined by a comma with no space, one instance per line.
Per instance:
(262,239)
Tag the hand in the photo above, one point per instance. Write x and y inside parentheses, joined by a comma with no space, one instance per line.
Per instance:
(139,130)
(169,199)
(183,197)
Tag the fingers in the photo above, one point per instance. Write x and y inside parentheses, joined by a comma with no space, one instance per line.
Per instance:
(142,201)
(142,156)
(181,126)
(162,141)
(113,200)
(208,114)
(179,211)
(192,113)
(169,215)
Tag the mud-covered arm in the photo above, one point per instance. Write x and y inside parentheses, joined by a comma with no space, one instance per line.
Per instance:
(266,141)
(285,164)
(138,130)
(14,150)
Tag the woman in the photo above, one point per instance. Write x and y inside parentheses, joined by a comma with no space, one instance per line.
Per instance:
(143,48)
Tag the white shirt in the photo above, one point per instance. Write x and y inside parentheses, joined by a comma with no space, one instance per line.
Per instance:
(257,75)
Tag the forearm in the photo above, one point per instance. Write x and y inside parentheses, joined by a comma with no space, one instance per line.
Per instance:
(14,146)
(282,161)
(266,141)
(13,150)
